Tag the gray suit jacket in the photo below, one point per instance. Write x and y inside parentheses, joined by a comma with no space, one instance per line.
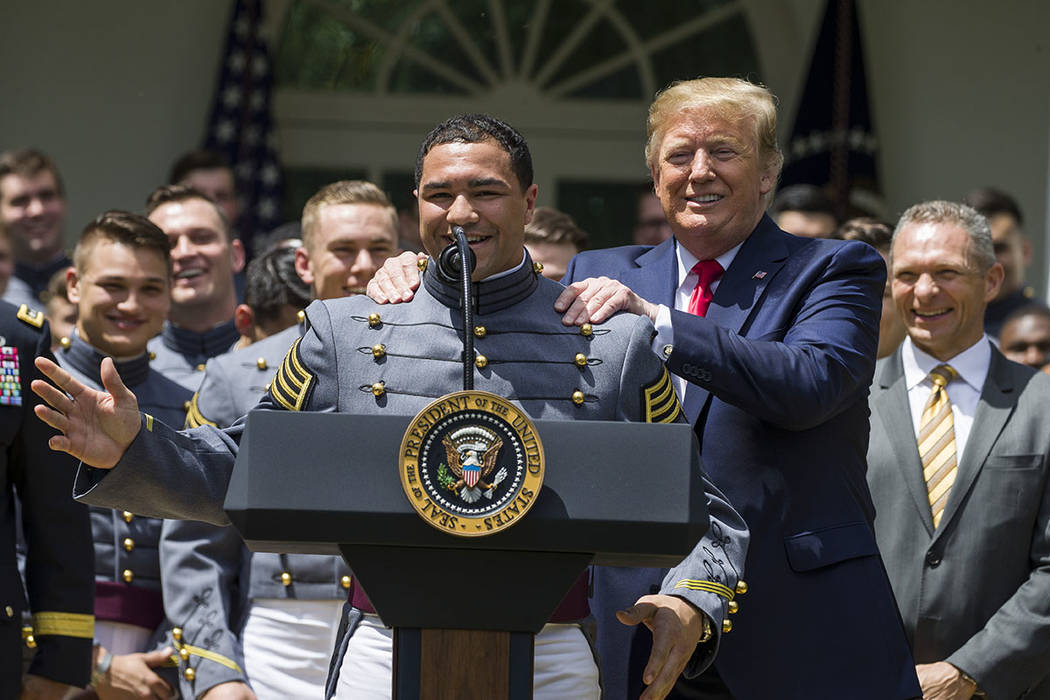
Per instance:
(975,592)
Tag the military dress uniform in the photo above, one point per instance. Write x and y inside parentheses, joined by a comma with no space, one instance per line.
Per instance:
(181,354)
(359,357)
(128,603)
(264,618)
(59,554)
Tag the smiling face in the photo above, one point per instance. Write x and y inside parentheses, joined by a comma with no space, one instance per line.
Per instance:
(938,287)
(348,244)
(472,185)
(122,295)
(710,180)
(34,211)
(203,257)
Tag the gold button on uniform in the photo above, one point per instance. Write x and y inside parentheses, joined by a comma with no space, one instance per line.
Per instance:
(580,359)
(378,389)
(128,515)
(421,264)
(374,320)
(727,626)
(152,355)
(186,405)
(300,316)
(537,267)
(587,330)
(200,367)
(66,342)
(286,579)
(479,331)
(129,544)
(128,575)
(184,654)
(30,641)
(176,633)
(378,350)
(9,610)
(577,397)
(190,674)
(741,587)
(733,607)
(345,582)
(668,349)
(261,363)
(481,361)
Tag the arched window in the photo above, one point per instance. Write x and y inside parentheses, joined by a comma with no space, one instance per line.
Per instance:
(360,82)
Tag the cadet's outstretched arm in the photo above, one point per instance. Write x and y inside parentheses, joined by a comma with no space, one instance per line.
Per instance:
(96,426)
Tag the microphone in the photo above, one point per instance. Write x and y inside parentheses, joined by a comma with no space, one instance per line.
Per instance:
(450,259)
(456,263)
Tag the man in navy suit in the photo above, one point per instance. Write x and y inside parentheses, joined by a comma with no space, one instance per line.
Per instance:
(775,377)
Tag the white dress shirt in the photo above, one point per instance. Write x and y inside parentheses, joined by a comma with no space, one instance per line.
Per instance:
(686,284)
(964,393)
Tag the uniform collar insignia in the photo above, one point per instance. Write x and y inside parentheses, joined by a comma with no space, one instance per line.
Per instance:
(489,295)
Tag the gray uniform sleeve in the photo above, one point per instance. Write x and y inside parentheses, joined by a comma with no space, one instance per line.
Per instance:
(202,596)
(708,576)
(166,473)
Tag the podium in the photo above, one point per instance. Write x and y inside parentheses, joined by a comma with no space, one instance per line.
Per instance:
(614,493)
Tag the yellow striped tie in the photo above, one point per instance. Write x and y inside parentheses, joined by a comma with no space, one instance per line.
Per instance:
(937,441)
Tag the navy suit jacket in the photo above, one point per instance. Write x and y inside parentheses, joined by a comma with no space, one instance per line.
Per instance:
(784,358)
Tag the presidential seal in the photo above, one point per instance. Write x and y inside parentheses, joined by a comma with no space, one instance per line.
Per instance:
(471,463)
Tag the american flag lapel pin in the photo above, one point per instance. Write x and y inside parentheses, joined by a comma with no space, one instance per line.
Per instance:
(759,275)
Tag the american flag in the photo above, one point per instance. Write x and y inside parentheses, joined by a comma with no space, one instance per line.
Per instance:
(241,124)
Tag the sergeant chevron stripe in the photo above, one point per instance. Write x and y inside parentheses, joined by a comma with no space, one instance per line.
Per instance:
(660,402)
(291,387)
(709,586)
(194,417)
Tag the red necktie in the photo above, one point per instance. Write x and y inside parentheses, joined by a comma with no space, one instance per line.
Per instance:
(708,272)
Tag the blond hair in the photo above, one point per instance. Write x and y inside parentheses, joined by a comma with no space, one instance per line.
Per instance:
(729,98)
(344,192)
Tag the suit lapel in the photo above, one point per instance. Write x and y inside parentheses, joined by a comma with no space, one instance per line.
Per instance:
(997,403)
(890,403)
(755,265)
(655,277)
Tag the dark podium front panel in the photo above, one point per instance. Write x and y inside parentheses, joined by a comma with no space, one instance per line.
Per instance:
(627,493)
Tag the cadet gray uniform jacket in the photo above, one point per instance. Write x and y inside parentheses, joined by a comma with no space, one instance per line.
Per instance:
(59,554)
(181,355)
(210,576)
(127,565)
(413,351)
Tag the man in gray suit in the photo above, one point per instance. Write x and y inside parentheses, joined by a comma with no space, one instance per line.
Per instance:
(957,466)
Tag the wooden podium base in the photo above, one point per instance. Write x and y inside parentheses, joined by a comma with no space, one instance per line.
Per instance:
(442,664)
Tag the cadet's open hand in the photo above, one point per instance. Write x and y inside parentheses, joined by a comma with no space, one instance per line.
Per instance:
(397,280)
(676,626)
(595,299)
(96,426)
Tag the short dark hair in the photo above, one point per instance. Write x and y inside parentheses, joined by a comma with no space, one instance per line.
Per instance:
(805,198)
(28,162)
(199,159)
(990,201)
(877,234)
(549,225)
(271,283)
(132,230)
(1026,310)
(475,128)
(166,194)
